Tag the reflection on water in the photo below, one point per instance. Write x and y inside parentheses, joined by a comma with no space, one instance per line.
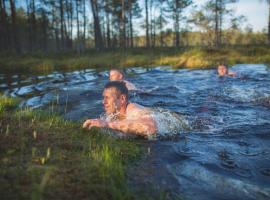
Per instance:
(222,125)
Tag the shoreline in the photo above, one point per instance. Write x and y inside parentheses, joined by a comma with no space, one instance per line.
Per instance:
(193,58)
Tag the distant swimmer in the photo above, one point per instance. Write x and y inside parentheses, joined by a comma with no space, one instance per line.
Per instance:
(123,115)
(118,75)
(223,71)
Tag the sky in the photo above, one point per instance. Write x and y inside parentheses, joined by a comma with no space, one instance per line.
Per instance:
(256,12)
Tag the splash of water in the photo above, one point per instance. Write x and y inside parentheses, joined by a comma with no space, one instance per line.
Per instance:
(169,123)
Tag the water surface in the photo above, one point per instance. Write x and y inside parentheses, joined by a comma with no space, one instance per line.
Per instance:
(224,154)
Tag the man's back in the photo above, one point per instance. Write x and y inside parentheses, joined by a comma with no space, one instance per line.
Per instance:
(135,111)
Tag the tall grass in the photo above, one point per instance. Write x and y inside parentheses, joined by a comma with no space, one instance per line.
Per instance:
(189,57)
(46,157)
(7,103)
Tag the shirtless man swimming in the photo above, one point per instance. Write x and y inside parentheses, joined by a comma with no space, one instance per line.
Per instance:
(223,71)
(127,117)
(117,75)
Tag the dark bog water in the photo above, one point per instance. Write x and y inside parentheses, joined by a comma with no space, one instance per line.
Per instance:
(225,153)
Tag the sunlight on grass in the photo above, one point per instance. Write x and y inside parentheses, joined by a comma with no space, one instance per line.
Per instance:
(46,157)
(190,57)
(7,103)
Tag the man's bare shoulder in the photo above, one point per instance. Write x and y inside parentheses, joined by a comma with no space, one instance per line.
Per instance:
(137,110)
(132,106)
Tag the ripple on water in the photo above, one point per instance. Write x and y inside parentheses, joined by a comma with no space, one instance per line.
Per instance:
(249,152)
(228,164)
(243,172)
(264,101)
(227,161)
(243,143)
(265,171)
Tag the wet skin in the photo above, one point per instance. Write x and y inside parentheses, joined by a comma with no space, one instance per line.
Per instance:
(128,117)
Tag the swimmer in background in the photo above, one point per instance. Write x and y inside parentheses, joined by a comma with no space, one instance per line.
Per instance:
(223,71)
(118,75)
(126,117)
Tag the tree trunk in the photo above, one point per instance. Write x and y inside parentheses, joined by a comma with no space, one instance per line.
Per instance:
(69,23)
(151,23)
(44,31)
(161,26)
(269,23)
(130,25)
(3,27)
(78,27)
(108,30)
(147,24)
(29,34)
(34,23)
(221,7)
(61,8)
(123,26)
(98,35)
(177,35)
(84,25)
(55,29)
(216,24)
(154,34)
(16,43)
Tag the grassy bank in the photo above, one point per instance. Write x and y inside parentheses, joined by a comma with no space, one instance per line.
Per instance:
(43,156)
(188,58)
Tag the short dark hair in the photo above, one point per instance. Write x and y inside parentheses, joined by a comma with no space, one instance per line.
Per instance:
(120,86)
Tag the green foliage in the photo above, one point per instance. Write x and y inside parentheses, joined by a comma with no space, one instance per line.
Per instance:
(197,57)
(46,157)
(7,103)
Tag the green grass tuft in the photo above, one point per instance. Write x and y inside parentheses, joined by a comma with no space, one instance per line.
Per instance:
(7,103)
(46,157)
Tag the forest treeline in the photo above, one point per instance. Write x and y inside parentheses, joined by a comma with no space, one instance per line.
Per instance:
(78,25)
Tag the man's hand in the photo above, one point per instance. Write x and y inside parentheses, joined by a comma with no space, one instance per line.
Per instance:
(95,123)
(232,74)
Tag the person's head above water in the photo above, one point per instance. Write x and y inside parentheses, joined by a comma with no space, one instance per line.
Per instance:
(222,70)
(121,114)
(116,75)
(115,97)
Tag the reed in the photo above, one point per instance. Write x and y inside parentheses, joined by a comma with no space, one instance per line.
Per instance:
(196,57)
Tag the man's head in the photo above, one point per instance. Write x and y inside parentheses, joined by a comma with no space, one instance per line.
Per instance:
(222,70)
(115,97)
(116,75)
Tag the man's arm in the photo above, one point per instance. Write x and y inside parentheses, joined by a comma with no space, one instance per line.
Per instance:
(89,123)
(230,73)
(143,126)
